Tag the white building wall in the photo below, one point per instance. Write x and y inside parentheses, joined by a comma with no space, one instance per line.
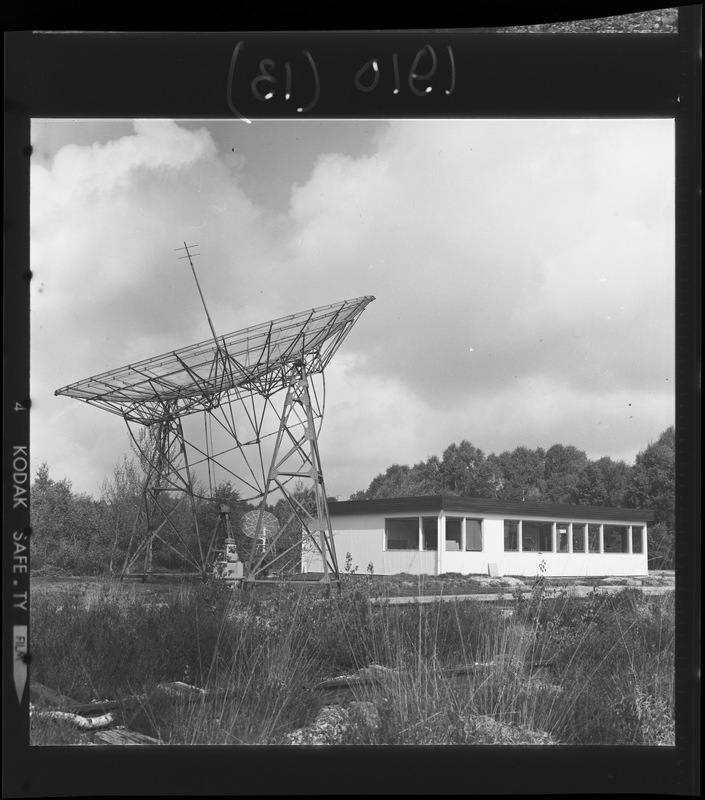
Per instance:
(363,536)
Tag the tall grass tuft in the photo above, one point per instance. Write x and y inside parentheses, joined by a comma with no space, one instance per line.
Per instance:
(560,670)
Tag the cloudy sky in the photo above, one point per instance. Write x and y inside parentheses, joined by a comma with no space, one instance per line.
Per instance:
(523,274)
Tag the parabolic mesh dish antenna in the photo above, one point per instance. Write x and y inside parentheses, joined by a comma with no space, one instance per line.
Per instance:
(268,525)
(240,412)
(260,525)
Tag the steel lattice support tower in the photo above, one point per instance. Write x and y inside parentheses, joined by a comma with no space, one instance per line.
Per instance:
(304,446)
(265,448)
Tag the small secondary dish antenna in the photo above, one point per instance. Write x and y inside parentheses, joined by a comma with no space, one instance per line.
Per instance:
(256,523)
(260,525)
(259,395)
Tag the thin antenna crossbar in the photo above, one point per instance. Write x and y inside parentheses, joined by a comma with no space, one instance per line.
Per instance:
(190,256)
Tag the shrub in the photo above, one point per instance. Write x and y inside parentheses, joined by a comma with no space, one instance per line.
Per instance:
(608,653)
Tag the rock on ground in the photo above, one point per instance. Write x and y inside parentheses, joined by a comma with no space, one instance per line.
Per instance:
(333,722)
(487,730)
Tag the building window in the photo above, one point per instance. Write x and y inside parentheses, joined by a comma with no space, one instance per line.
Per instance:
(454,533)
(578,537)
(473,534)
(562,529)
(430,533)
(637,539)
(616,538)
(593,538)
(402,534)
(537,536)
(511,535)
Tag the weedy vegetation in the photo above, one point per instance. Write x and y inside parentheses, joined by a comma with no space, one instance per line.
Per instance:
(558,670)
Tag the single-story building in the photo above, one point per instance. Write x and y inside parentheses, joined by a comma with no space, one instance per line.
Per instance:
(473,535)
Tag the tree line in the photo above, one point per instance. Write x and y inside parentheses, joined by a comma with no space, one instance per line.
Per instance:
(79,534)
(560,474)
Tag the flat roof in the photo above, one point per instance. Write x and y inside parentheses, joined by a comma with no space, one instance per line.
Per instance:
(486,505)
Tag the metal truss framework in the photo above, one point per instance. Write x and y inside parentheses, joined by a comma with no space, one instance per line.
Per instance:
(259,394)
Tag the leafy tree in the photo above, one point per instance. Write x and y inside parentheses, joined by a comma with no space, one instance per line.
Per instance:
(523,476)
(602,483)
(662,546)
(121,498)
(563,466)
(397,481)
(652,485)
(67,529)
(170,513)
(493,476)
(462,469)
(654,477)
(426,477)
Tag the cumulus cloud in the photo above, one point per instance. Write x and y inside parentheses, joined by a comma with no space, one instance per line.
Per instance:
(81,172)
(496,236)
(106,220)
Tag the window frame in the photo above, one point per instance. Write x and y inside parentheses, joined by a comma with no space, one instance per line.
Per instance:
(388,520)
(461,534)
(590,537)
(481,532)
(637,534)
(582,532)
(539,535)
(508,532)
(613,530)
(422,523)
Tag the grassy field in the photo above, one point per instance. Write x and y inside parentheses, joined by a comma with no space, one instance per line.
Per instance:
(560,670)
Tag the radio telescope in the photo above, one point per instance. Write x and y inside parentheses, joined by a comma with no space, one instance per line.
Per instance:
(246,408)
